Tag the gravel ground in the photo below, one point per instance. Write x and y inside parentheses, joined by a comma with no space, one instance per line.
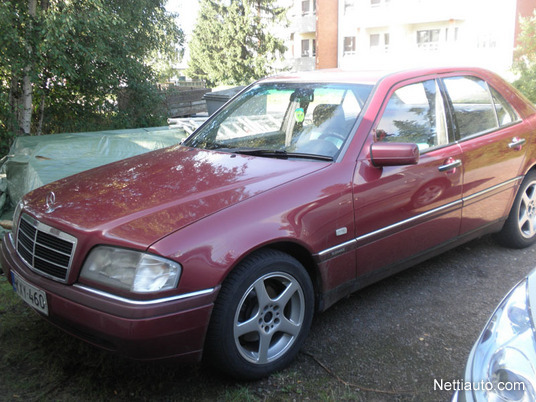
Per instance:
(388,342)
(399,335)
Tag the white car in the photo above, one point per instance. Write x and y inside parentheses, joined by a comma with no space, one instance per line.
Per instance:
(502,363)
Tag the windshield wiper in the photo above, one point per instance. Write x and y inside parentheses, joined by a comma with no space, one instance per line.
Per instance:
(277,153)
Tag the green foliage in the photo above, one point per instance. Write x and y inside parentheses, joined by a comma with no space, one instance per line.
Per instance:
(525,58)
(82,56)
(232,43)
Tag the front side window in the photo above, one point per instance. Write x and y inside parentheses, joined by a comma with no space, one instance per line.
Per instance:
(415,113)
(314,119)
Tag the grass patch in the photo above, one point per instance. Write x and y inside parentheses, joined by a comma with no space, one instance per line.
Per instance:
(39,362)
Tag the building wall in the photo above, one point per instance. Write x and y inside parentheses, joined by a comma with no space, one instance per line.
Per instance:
(327,33)
(301,53)
(415,33)
(395,34)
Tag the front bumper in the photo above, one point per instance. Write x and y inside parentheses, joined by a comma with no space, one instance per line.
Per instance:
(144,330)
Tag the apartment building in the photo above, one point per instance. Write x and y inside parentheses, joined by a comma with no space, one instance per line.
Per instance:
(385,34)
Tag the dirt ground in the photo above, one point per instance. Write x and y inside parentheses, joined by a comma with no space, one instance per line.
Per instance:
(389,342)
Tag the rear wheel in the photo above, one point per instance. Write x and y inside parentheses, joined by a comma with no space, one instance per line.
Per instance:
(261,317)
(519,230)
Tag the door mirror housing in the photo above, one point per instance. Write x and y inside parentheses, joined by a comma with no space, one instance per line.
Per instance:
(393,154)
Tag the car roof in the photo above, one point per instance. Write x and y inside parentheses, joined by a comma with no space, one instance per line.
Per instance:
(371,77)
(330,75)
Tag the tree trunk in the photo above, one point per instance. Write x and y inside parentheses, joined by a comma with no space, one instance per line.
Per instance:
(27,92)
(39,130)
(26,120)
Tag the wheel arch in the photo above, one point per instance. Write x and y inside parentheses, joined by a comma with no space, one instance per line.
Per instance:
(297,251)
(531,168)
(305,258)
(517,231)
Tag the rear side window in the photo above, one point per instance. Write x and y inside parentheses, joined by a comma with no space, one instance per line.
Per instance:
(477,107)
(505,112)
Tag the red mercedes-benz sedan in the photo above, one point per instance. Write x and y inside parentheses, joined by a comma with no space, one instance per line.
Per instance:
(302,189)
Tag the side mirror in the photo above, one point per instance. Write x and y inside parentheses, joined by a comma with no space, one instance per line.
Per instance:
(393,154)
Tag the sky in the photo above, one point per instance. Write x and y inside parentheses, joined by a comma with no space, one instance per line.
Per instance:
(187,10)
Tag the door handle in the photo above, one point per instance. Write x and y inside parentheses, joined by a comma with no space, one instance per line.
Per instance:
(450,165)
(517,143)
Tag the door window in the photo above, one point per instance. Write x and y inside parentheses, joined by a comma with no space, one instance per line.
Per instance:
(415,113)
(474,111)
(505,112)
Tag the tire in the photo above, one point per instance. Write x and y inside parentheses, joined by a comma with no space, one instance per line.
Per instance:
(261,316)
(519,230)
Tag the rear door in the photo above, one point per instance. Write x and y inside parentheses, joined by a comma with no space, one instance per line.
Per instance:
(493,144)
(404,211)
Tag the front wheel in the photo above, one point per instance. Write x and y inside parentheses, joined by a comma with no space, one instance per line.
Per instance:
(261,317)
(519,230)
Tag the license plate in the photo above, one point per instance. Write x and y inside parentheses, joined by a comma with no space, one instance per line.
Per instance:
(30,294)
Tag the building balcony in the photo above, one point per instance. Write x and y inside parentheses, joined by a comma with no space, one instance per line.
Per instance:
(304,23)
(304,63)
(405,12)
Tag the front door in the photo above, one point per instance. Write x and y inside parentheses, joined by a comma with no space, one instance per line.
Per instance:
(404,211)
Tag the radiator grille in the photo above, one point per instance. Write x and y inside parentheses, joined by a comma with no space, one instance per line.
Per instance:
(46,250)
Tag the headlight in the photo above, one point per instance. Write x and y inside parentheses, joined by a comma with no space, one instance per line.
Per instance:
(501,366)
(16,217)
(131,270)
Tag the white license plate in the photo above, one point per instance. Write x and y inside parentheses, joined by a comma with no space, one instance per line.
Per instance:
(30,294)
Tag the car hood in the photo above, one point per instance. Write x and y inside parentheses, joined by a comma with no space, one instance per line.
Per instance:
(142,199)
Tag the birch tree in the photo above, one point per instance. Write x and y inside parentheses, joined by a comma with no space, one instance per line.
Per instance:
(65,63)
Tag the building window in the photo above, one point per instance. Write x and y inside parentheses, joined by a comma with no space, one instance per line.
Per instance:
(308,48)
(349,6)
(380,42)
(308,7)
(386,40)
(451,34)
(374,40)
(305,48)
(378,3)
(428,39)
(488,41)
(349,46)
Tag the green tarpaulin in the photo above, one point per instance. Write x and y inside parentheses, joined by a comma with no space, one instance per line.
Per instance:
(36,161)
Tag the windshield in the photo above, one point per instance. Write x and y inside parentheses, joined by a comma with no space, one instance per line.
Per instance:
(285,120)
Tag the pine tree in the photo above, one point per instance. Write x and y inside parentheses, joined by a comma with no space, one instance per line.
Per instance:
(232,41)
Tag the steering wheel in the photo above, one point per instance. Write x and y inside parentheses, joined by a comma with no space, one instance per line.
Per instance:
(334,135)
